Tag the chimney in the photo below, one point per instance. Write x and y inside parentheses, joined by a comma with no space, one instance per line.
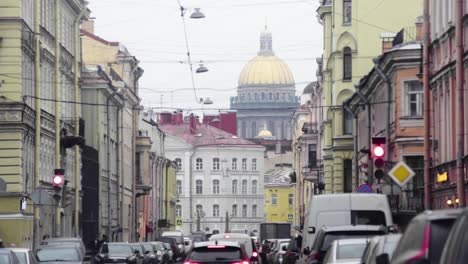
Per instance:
(387,44)
(193,124)
(228,122)
(88,26)
(419,28)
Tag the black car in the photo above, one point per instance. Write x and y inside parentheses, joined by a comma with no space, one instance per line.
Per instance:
(293,251)
(326,235)
(455,248)
(155,253)
(116,253)
(174,247)
(139,252)
(218,252)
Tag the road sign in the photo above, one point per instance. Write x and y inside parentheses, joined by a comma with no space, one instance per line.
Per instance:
(179,222)
(365,188)
(401,173)
(290,216)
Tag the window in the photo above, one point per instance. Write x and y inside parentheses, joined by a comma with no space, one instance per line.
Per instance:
(274,199)
(215,210)
(244,210)
(178,163)
(347,64)
(199,164)
(254,187)
(244,186)
(198,186)
(234,210)
(199,208)
(348,175)
(254,210)
(244,164)
(178,210)
(312,155)
(347,12)
(234,164)
(414,98)
(234,186)
(179,187)
(290,199)
(347,123)
(216,186)
(254,164)
(215,164)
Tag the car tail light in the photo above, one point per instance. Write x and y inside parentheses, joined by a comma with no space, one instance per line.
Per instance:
(227,236)
(189,262)
(217,246)
(241,262)
(422,253)
(255,254)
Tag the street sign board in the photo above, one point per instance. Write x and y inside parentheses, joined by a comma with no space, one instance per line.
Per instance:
(179,222)
(290,216)
(365,188)
(401,173)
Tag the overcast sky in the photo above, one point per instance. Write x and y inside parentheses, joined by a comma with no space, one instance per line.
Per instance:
(226,40)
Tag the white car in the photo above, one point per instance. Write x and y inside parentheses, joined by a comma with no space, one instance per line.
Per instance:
(25,255)
(188,244)
(346,251)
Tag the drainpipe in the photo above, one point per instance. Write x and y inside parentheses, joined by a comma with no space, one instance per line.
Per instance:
(37,139)
(370,165)
(117,170)
(387,116)
(57,108)
(355,142)
(122,180)
(77,59)
(427,108)
(191,191)
(460,103)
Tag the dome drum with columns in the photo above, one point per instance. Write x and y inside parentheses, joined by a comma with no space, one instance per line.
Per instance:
(266,94)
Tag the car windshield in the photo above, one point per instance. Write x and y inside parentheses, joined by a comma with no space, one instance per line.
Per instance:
(216,254)
(136,247)
(330,237)
(351,251)
(4,258)
(148,247)
(58,254)
(117,249)
(178,239)
(22,257)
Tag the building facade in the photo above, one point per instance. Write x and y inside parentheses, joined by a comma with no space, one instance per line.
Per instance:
(266,94)
(352,37)
(39,131)
(218,174)
(445,93)
(279,197)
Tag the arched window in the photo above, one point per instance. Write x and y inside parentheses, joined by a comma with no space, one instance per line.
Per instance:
(290,199)
(244,210)
(244,186)
(254,164)
(198,186)
(270,96)
(199,208)
(347,123)
(215,164)
(255,96)
(254,210)
(234,186)
(244,164)
(248,97)
(254,187)
(179,163)
(234,164)
(347,64)
(216,186)
(234,210)
(263,96)
(179,187)
(178,210)
(199,164)
(215,210)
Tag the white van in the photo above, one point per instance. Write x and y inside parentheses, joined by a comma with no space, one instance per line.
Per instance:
(344,209)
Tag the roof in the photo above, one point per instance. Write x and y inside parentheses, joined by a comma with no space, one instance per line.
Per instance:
(353,228)
(217,242)
(231,235)
(206,135)
(103,41)
(278,177)
(25,250)
(309,88)
(266,70)
(352,241)
(438,215)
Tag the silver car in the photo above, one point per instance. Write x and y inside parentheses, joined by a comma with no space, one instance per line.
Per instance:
(60,254)
(345,251)
(25,255)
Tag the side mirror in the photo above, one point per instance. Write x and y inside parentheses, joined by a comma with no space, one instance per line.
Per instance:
(311,230)
(136,251)
(392,229)
(284,248)
(306,251)
(382,259)
(147,252)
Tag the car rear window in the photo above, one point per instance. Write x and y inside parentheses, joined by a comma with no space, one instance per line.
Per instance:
(22,257)
(216,254)
(179,239)
(368,218)
(439,233)
(353,251)
(332,236)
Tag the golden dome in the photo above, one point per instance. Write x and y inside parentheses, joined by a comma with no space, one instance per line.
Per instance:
(264,133)
(266,70)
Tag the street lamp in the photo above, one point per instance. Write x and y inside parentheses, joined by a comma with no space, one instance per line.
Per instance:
(197,14)
(202,68)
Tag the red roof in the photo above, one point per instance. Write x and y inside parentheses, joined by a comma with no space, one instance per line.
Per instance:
(205,135)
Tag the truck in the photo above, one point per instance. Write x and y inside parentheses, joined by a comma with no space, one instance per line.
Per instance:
(275,231)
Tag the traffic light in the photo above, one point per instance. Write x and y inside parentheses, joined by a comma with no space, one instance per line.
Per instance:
(57,184)
(378,156)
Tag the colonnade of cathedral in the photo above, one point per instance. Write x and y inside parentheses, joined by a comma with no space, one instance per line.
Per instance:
(280,127)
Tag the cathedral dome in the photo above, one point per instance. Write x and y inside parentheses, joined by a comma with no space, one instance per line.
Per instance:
(266,68)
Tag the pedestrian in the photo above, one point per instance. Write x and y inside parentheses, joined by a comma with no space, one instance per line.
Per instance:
(1,243)
(100,242)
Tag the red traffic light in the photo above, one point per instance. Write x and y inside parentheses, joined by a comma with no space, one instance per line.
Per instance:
(57,180)
(379,152)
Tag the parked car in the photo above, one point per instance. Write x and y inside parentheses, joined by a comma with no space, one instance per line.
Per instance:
(169,252)
(188,244)
(275,247)
(173,245)
(69,254)
(326,235)
(179,237)
(279,256)
(7,256)
(139,252)
(64,241)
(455,248)
(424,238)
(379,245)
(345,251)
(218,252)
(117,252)
(244,239)
(25,255)
(293,251)
(155,252)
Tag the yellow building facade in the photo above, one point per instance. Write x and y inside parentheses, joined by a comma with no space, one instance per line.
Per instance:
(280,197)
(353,32)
